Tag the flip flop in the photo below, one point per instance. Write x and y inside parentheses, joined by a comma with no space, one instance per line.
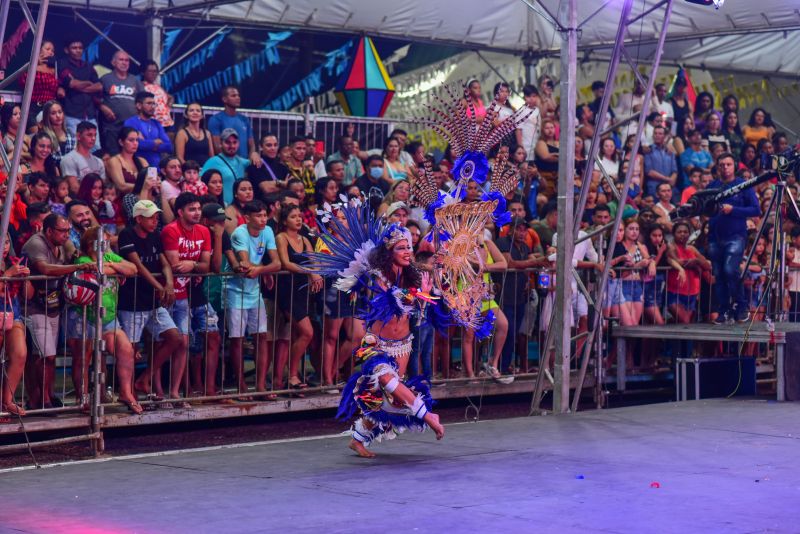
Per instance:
(133,406)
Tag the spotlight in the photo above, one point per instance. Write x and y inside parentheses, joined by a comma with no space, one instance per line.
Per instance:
(716,3)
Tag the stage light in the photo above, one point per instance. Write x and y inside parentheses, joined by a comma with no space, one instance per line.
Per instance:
(716,3)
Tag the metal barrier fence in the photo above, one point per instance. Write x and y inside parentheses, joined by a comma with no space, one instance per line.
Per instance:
(370,132)
(224,356)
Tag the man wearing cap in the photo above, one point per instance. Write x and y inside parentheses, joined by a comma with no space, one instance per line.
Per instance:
(397,213)
(143,301)
(228,163)
(229,118)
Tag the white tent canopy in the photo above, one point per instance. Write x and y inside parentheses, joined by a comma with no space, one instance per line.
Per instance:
(744,35)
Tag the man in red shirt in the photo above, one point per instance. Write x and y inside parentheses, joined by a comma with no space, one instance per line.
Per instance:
(187,246)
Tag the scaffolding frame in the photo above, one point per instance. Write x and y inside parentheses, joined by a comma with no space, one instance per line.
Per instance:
(568,222)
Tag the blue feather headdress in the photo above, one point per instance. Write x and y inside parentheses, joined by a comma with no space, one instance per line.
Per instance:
(456,227)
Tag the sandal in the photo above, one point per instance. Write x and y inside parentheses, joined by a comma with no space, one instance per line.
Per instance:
(178,403)
(133,406)
(12,409)
(492,371)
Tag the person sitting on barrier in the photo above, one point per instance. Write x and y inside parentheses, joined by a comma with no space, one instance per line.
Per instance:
(252,243)
(12,327)
(117,342)
(47,256)
(143,300)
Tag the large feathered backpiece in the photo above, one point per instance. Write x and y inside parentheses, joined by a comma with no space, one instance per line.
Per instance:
(457,227)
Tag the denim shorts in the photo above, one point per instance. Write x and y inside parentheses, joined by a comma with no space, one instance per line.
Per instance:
(204,320)
(75,325)
(654,292)
(613,295)
(156,321)
(632,290)
(15,308)
(687,301)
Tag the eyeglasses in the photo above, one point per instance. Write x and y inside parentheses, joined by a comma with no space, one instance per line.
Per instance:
(61,230)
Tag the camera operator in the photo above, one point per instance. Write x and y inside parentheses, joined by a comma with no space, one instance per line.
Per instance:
(727,236)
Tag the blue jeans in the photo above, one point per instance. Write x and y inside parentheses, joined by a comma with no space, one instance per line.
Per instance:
(421,351)
(515,313)
(725,256)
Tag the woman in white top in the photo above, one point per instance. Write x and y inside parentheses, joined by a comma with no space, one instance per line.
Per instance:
(608,159)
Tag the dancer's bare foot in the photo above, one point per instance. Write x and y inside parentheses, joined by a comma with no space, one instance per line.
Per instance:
(360,449)
(433,421)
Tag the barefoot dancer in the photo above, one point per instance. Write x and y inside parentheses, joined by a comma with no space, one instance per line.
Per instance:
(390,406)
(366,253)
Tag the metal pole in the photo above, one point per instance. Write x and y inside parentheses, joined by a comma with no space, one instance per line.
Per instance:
(24,108)
(104,36)
(98,374)
(628,176)
(568,19)
(165,68)
(600,118)
(4,5)
(154,27)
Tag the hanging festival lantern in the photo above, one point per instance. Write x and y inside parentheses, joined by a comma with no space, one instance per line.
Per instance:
(365,89)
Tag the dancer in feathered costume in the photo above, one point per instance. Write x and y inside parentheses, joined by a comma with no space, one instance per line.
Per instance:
(364,252)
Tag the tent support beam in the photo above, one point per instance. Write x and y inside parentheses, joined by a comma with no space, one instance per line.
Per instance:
(596,328)
(12,167)
(569,222)
(568,21)
(154,27)
(105,37)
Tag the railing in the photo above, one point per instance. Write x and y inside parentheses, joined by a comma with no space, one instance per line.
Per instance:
(370,132)
(316,343)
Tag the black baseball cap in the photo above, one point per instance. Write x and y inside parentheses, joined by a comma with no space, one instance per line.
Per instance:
(214,212)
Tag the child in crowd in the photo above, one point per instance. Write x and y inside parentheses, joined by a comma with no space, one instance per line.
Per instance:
(191,179)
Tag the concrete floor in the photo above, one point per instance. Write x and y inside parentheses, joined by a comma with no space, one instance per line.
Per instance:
(722,466)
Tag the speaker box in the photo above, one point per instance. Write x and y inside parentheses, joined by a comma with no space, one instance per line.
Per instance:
(791,366)
(719,377)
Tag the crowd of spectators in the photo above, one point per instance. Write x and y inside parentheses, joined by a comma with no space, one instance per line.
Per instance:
(180,198)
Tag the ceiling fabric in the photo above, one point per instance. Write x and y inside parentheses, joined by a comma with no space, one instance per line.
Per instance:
(743,34)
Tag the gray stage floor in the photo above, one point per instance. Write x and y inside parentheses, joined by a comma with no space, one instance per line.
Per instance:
(722,466)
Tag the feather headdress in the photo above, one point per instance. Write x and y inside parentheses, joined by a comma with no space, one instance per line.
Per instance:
(457,227)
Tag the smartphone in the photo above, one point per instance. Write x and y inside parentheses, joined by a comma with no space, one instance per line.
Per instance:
(152,172)
(319,147)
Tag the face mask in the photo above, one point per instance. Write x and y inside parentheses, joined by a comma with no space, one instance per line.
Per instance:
(376,172)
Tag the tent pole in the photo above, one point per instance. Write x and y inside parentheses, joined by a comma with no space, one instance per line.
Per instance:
(105,37)
(568,19)
(25,110)
(154,27)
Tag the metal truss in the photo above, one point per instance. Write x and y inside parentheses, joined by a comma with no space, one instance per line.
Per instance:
(569,224)
(12,166)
